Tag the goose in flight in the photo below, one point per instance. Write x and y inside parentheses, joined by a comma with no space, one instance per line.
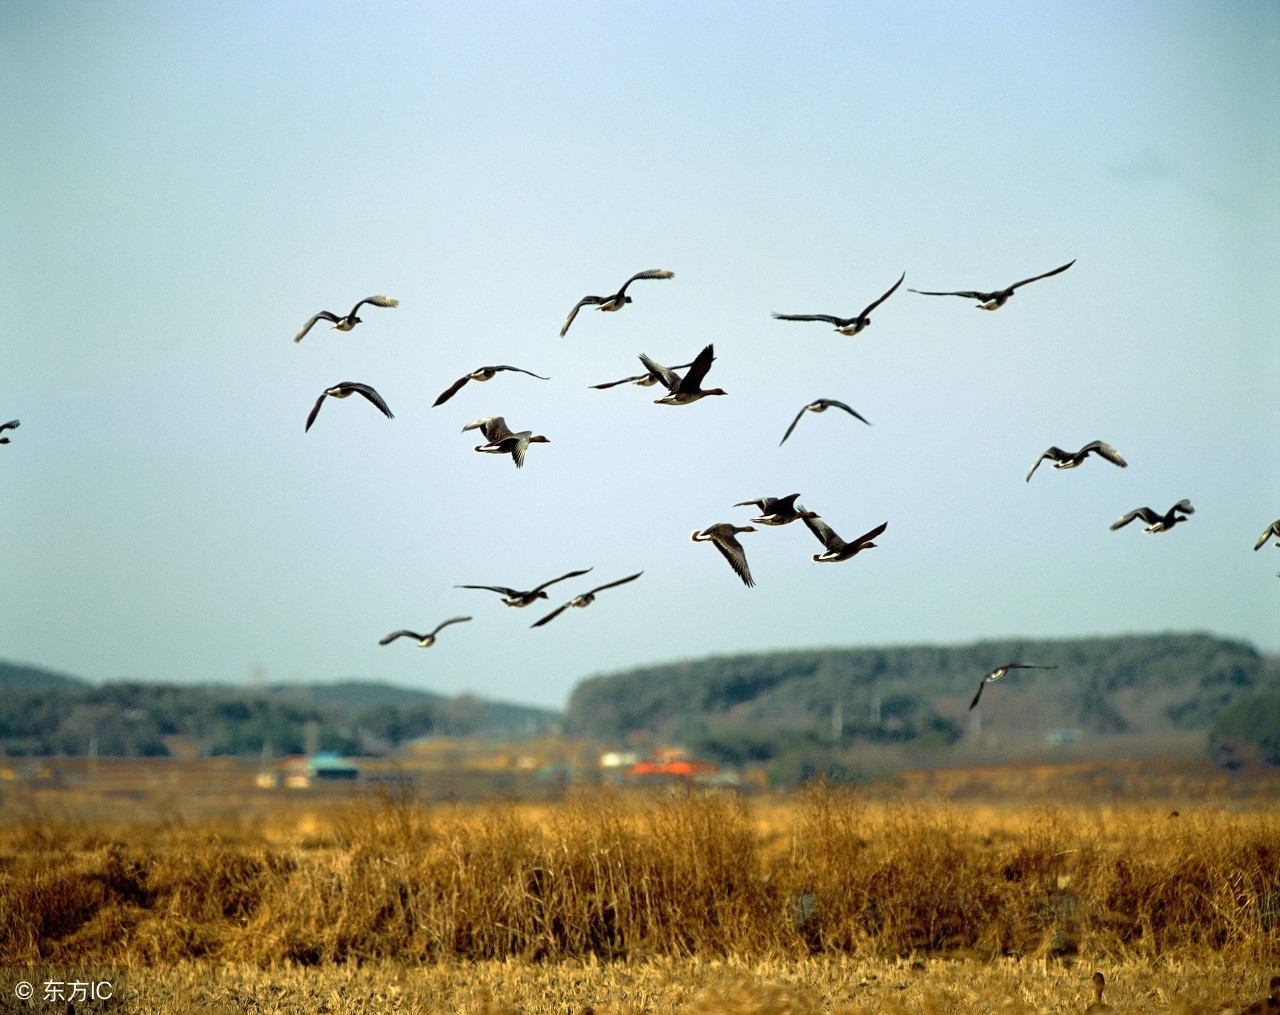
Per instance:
(681,390)
(821,405)
(481,374)
(423,640)
(999,672)
(645,380)
(586,599)
(845,325)
(776,510)
(351,320)
(1070,459)
(1272,531)
(501,440)
(725,537)
(1157,522)
(995,300)
(615,302)
(344,390)
(13,424)
(836,548)
(514,597)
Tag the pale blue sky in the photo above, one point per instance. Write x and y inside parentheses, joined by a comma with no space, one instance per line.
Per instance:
(182,188)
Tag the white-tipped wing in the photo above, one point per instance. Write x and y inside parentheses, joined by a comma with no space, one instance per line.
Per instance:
(374,301)
(1104,450)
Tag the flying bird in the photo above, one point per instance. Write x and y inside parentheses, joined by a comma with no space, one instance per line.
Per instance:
(423,640)
(999,672)
(1272,531)
(821,405)
(995,300)
(351,320)
(1070,459)
(836,548)
(586,599)
(481,374)
(681,390)
(644,380)
(845,325)
(514,597)
(13,424)
(1157,522)
(344,390)
(615,302)
(776,510)
(501,441)
(725,537)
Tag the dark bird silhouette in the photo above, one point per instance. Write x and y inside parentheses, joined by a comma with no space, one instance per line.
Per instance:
(838,549)
(584,600)
(13,424)
(350,320)
(344,390)
(845,325)
(681,390)
(615,302)
(999,672)
(1272,531)
(1071,459)
(1098,1006)
(514,597)
(821,405)
(994,300)
(645,380)
(423,640)
(481,374)
(776,510)
(725,537)
(1157,522)
(501,440)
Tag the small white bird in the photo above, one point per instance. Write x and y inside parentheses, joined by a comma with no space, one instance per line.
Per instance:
(1157,522)
(350,320)
(845,325)
(480,374)
(344,390)
(1071,459)
(423,640)
(502,441)
(584,600)
(995,300)
(999,672)
(615,302)
(725,537)
(821,405)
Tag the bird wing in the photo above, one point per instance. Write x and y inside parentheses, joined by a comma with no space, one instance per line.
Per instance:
(13,424)
(550,616)
(586,301)
(1104,450)
(733,552)
(761,502)
(651,273)
(1055,454)
(614,384)
(315,411)
(571,574)
(519,446)
(399,634)
(1029,666)
(826,535)
(501,590)
(494,428)
(967,293)
(620,581)
(445,623)
(1184,506)
(1034,278)
(698,369)
(866,537)
(1271,530)
(375,301)
(850,411)
(520,370)
(324,315)
(839,322)
(892,289)
(1145,513)
(788,433)
(451,390)
(669,378)
(372,396)
(981,684)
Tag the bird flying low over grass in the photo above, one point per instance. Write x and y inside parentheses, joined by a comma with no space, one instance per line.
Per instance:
(994,300)
(1157,522)
(13,424)
(821,405)
(1272,531)
(350,320)
(776,510)
(344,390)
(1071,459)
(725,537)
(423,640)
(999,672)
(615,302)
(836,548)
(584,600)
(514,597)
(501,440)
(681,390)
(480,374)
(845,325)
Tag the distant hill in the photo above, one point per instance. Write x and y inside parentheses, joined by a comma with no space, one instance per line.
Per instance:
(751,707)
(14,677)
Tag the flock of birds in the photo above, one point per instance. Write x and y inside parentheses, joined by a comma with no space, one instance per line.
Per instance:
(683,384)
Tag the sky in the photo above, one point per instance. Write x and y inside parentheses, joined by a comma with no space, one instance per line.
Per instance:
(183,186)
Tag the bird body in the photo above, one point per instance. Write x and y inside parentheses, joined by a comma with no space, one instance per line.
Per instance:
(1272,531)
(502,441)
(1072,459)
(423,640)
(1157,522)
(1001,671)
(776,510)
(517,598)
(821,405)
(481,374)
(345,389)
(13,424)
(994,300)
(845,325)
(585,599)
(350,320)
(615,302)
(725,537)
(838,549)
(681,390)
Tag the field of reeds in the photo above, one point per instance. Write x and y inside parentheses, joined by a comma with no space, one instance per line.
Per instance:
(675,900)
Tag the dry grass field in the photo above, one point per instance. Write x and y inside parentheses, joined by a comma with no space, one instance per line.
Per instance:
(833,900)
